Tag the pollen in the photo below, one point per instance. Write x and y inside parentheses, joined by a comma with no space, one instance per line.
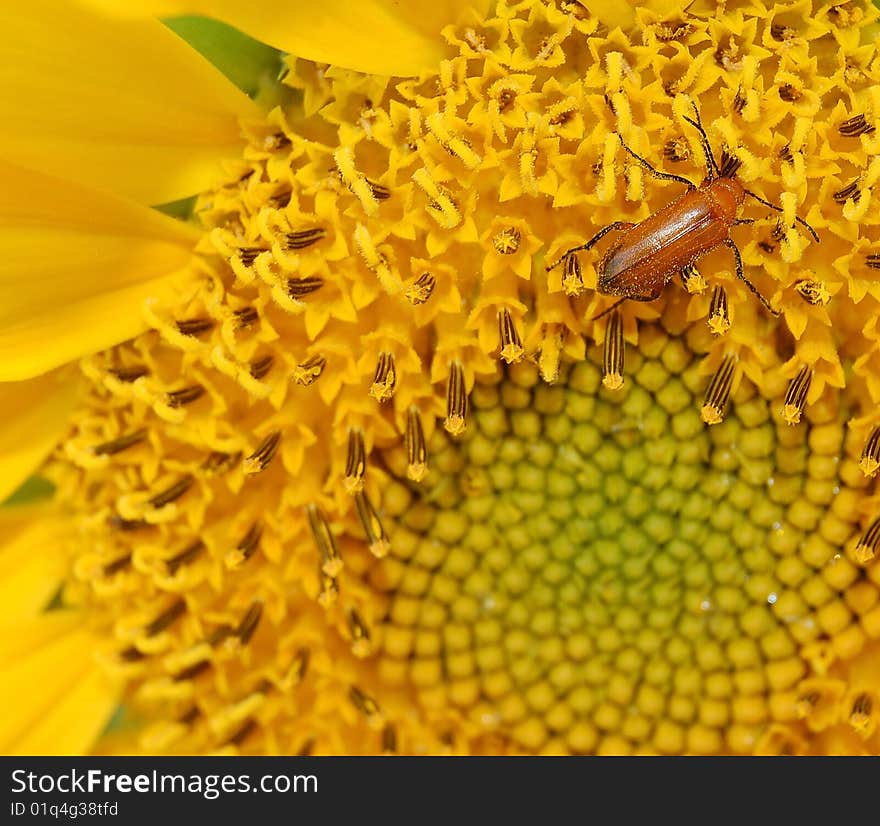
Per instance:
(572,278)
(693,280)
(378,481)
(812,291)
(507,241)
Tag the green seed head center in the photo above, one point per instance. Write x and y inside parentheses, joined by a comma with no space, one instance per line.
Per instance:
(586,565)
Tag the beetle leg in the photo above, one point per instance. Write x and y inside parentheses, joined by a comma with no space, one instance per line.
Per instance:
(592,242)
(620,301)
(740,274)
(797,218)
(607,310)
(663,176)
(617,303)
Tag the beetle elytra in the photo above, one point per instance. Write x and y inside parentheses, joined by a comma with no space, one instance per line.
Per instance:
(650,253)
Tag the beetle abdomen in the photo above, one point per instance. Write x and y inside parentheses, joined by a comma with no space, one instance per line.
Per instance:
(650,253)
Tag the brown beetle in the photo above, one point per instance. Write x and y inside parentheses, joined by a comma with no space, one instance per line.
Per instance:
(650,253)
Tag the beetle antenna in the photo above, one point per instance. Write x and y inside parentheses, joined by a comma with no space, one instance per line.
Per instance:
(779,209)
(662,176)
(711,166)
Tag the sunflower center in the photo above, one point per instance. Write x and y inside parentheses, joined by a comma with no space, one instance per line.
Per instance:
(347,496)
(595,570)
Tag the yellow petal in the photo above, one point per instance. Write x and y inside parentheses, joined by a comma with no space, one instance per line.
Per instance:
(33,417)
(384,37)
(122,105)
(75,268)
(57,697)
(32,559)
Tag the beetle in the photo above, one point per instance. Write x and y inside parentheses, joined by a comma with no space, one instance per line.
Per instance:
(650,253)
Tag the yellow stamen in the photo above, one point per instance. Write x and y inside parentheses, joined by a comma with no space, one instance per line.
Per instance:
(870,458)
(329,590)
(184,557)
(361,644)
(612,365)
(572,279)
(813,291)
(356,461)
(356,182)
(507,241)
(120,443)
(421,290)
(385,379)
(367,706)
(416,449)
(863,714)
(509,340)
(377,539)
(389,740)
(331,561)
(310,370)
(246,547)
(456,401)
(796,396)
(719,315)
(694,282)
(551,346)
(718,392)
(259,460)
(866,548)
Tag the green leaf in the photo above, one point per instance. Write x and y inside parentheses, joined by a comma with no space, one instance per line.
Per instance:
(30,491)
(245,61)
(182,209)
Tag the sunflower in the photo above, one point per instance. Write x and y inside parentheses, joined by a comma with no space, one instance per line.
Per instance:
(340,462)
